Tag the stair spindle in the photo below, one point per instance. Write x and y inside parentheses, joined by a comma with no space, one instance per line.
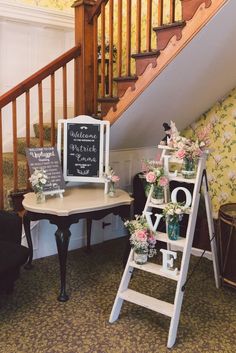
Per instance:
(172,11)
(149,25)
(64,70)
(103,44)
(40,103)
(53,109)
(138,26)
(119,42)
(1,165)
(111,15)
(160,12)
(15,159)
(95,63)
(128,39)
(27,127)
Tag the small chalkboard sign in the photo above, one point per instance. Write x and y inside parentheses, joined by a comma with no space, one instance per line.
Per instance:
(85,148)
(47,158)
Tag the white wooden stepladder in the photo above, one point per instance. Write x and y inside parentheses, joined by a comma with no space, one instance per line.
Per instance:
(185,244)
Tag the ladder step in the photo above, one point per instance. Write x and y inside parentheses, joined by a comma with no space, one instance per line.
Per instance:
(155,269)
(164,237)
(181,179)
(148,302)
(161,206)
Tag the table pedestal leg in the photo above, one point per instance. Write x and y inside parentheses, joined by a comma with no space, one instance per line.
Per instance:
(62,239)
(89,229)
(26,222)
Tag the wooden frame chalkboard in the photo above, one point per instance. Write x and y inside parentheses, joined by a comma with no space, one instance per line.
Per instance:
(47,158)
(85,148)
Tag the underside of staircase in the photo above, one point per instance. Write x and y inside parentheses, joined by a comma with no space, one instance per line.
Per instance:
(171,39)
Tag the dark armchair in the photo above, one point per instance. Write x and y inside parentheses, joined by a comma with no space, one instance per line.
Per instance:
(12,254)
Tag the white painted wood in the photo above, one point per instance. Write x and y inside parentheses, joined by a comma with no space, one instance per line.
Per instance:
(172,310)
(155,269)
(147,302)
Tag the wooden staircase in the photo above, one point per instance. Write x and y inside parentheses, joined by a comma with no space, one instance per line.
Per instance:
(103,87)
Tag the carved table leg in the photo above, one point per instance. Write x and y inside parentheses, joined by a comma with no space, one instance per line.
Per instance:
(26,222)
(62,239)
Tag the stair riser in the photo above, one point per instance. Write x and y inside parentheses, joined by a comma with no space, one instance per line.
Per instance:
(142,63)
(189,7)
(22,171)
(164,36)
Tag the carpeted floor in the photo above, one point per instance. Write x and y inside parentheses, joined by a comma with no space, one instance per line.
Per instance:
(33,321)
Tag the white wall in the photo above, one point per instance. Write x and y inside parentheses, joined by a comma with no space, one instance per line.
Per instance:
(30,37)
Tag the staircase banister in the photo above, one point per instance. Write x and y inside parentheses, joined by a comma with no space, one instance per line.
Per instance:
(97,9)
(39,75)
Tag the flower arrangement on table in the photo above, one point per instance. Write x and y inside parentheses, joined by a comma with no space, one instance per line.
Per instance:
(142,239)
(189,150)
(112,179)
(154,175)
(173,213)
(38,180)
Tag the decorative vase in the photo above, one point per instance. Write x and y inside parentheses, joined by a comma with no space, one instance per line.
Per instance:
(173,229)
(140,257)
(40,197)
(112,191)
(188,168)
(157,197)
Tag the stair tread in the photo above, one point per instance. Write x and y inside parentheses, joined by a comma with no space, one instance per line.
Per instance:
(170,25)
(155,269)
(125,78)
(108,99)
(148,302)
(146,54)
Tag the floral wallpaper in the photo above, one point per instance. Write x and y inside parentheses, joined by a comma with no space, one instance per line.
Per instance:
(221,164)
(56,4)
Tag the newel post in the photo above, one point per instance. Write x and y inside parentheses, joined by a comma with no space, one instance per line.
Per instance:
(84,35)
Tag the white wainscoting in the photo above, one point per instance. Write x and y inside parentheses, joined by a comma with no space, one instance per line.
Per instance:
(126,164)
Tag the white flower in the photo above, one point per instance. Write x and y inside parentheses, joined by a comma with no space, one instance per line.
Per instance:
(178,211)
(232,175)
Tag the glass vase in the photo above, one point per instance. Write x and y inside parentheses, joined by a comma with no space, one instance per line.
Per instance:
(112,191)
(157,197)
(40,197)
(140,257)
(188,168)
(173,229)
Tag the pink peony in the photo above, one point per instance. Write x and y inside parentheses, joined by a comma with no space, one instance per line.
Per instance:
(163,181)
(151,177)
(115,178)
(181,154)
(141,235)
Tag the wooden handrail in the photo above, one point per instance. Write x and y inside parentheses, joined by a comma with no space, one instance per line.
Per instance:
(97,9)
(37,77)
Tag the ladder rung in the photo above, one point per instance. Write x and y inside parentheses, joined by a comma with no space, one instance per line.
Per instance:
(164,237)
(148,302)
(162,206)
(182,180)
(155,269)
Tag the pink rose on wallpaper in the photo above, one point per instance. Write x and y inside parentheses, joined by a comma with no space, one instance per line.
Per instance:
(151,177)
(181,154)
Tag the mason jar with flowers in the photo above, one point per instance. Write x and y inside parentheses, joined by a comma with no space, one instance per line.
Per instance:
(189,150)
(156,179)
(173,213)
(38,181)
(142,239)
(112,180)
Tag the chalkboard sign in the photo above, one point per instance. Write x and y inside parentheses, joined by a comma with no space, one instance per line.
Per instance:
(85,148)
(47,158)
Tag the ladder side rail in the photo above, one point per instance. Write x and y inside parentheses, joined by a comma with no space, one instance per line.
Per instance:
(211,232)
(186,254)
(122,287)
